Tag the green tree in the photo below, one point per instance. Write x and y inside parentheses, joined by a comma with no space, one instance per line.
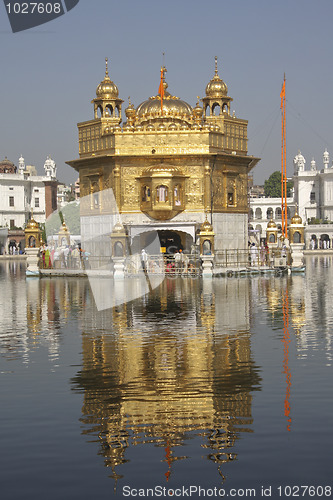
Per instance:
(272,186)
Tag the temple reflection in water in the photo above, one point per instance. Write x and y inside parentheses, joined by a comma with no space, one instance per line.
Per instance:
(175,361)
(175,364)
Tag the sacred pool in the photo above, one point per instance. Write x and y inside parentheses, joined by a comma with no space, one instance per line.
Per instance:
(200,387)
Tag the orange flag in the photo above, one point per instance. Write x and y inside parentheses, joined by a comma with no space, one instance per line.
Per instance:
(283,92)
(161,89)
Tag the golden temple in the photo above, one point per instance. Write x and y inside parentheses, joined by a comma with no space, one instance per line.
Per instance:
(168,166)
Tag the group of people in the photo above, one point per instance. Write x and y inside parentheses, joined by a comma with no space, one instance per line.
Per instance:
(64,257)
(14,250)
(259,255)
(178,263)
(322,244)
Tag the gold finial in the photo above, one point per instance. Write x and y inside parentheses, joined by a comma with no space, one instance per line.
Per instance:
(106,67)
(129,100)
(163,68)
(215,65)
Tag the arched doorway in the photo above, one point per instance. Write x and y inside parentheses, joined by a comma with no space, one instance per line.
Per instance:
(12,247)
(313,242)
(325,241)
(170,241)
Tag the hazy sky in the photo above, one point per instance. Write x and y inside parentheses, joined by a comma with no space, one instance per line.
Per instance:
(49,74)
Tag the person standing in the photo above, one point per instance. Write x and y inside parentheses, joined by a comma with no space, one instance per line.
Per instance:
(253,254)
(178,261)
(144,260)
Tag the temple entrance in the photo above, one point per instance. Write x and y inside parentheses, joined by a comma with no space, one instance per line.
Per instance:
(170,241)
(167,251)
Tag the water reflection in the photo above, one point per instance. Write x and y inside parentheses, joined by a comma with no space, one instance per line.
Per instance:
(174,362)
(33,311)
(177,363)
(309,298)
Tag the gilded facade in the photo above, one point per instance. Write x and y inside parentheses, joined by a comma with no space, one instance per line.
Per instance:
(169,165)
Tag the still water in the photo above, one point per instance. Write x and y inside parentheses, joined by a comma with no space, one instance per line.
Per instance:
(223,385)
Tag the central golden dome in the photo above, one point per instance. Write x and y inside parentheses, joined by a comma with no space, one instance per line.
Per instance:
(172,108)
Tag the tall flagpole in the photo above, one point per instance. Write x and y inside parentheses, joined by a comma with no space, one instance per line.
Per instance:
(283,160)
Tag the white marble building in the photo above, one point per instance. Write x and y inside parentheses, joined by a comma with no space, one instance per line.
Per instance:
(21,192)
(262,210)
(312,199)
(314,188)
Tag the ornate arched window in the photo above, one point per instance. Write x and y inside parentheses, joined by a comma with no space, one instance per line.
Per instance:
(216,109)
(109,110)
(177,195)
(95,200)
(207,247)
(231,200)
(258,213)
(162,194)
(145,194)
(32,242)
(297,237)
(118,249)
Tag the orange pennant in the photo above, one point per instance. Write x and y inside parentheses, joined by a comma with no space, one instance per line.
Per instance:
(283,92)
(161,89)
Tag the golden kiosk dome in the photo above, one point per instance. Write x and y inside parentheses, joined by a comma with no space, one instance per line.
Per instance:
(107,89)
(271,225)
(130,111)
(32,225)
(296,220)
(216,87)
(206,227)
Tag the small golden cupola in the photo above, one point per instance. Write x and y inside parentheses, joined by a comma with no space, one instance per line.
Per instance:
(296,229)
(206,238)
(271,232)
(32,233)
(197,114)
(130,113)
(107,105)
(64,236)
(216,100)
